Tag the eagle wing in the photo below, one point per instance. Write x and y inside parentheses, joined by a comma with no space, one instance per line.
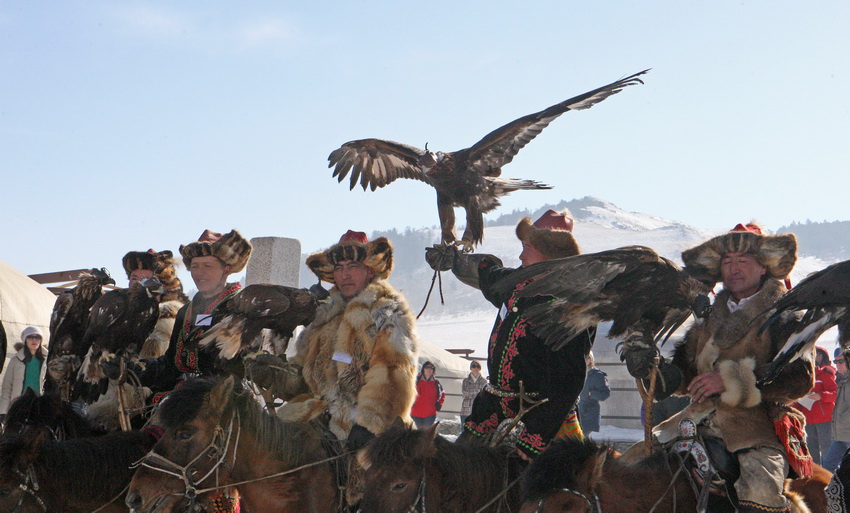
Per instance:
(376,163)
(498,147)
(632,286)
(61,307)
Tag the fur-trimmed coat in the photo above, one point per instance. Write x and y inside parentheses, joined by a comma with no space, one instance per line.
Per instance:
(728,343)
(359,359)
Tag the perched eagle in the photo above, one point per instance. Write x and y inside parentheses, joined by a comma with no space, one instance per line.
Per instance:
(120,322)
(68,322)
(825,295)
(275,307)
(71,313)
(642,293)
(468,178)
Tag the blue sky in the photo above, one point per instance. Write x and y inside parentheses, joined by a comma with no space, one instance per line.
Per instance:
(129,125)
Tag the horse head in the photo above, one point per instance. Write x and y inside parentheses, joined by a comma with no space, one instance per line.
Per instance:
(399,472)
(564,477)
(19,488)
(186,462)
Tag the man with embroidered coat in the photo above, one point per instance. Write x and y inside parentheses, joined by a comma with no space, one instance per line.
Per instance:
(211,260)
(722,357)
(359,355)
(515,354)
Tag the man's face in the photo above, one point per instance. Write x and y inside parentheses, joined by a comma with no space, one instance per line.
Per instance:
(741,273)
(140,275)
(530,255)
(209,274)
(352,277)
(841,365)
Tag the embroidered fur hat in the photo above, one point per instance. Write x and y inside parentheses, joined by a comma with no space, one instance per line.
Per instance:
(376,255)
(778,253)
(231,248)
(551,234)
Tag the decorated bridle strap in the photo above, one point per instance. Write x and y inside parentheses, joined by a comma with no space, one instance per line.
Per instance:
(182,471)
(29,478)
(594,505)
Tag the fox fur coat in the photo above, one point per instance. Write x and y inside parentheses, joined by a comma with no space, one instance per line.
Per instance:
(359,359)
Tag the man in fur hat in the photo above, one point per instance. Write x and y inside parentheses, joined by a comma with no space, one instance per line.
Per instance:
(141,265)
(359,355)
(210,260)
(516,355)
(721,358)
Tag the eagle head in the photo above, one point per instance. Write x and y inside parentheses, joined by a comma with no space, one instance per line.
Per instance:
(427,162)
(153,287)
(102,276)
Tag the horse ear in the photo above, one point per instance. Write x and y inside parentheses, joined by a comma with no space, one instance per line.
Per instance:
(593,467)
(220,394)
(399,423)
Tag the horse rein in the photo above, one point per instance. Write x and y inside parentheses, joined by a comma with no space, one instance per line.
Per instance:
(28,488)
(594,505)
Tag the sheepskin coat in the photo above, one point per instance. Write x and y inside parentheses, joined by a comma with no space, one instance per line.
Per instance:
(728,342)
(359,359)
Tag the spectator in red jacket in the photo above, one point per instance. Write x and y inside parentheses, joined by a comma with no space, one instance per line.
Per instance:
(818,406)
(429,397)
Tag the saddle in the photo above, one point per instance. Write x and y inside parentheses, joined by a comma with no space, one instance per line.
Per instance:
(712,468)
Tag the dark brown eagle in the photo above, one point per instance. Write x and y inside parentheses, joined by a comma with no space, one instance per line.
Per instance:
(120,322)
(643,293)
(68,322)
(468,178)
(261,306)
(825,296)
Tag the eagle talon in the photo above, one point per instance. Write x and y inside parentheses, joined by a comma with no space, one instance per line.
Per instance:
(466,246)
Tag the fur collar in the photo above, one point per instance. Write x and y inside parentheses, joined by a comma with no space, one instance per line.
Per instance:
(376,290)
(728,328)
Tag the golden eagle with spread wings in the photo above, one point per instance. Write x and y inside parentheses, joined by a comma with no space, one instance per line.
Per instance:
(468,178)
(644,294)
(825,295)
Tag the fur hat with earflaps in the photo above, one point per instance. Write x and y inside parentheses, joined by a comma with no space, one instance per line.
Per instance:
(231,248)
(377,255)
(777,253)
(551,235)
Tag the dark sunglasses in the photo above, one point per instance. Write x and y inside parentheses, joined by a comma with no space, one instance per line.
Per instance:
(839,361)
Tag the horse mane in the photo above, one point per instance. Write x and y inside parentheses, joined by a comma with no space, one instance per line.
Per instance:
(83,468)
(292,443)
(48,411)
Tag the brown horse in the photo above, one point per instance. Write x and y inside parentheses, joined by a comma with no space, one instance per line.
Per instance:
(577,476)
(409,470)
(71,476)
(218,437)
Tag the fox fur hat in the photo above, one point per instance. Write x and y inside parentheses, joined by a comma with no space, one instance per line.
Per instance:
(777,253)
(162,265)
(377,255)
(551,235)
(231,248)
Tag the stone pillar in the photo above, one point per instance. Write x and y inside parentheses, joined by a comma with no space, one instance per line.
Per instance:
(274,260)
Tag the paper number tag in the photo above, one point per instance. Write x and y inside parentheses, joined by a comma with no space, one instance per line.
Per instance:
(203,320)
(503,312)
(339,356)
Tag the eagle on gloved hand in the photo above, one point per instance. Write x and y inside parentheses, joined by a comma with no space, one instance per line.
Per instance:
(468,178)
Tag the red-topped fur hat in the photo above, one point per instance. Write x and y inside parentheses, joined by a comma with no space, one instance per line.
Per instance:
(777,253)
(377,255)
(551,235)
(231,248)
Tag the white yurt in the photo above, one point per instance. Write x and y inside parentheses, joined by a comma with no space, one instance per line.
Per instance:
(23,302)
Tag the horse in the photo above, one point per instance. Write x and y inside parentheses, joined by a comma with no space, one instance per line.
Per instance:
(218,437)
(48,412)
(578,476)
(38,475)
(409,470)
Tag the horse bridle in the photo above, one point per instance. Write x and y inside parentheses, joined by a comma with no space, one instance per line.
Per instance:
(28,488)
(217,448)
(595,505)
